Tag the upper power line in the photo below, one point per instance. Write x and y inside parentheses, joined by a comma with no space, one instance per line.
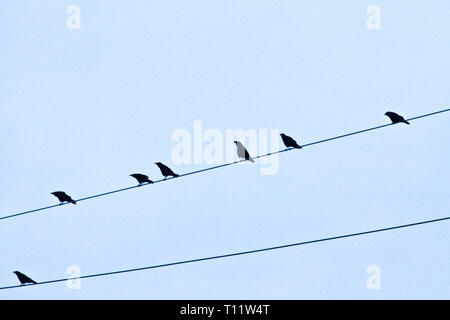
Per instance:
(223,165)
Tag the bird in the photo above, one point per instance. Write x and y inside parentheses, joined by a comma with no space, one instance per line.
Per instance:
(242,152)
(289,142)
(141,178)
(23,278)
(395,118)
(62,196)
(165,170)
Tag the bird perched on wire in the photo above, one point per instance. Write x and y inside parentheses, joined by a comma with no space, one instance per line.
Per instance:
(289,142)
(165,170)
(141,178)
(23,278)
(62,197)
(242,152)
(395,118)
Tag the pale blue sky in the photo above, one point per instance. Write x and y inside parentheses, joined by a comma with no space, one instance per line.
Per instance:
(83,109)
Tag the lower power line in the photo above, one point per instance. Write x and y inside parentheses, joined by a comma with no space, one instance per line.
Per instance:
(233,254)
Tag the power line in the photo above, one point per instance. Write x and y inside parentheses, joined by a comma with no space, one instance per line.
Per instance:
(222,165)
(228,255)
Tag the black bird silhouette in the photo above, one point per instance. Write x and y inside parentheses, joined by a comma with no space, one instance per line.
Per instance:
(62,196)
(141,178)
(289,142)
(23,278)
(395,118)
(165,170)
(242,152)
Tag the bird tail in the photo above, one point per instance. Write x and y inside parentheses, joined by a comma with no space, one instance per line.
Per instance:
(33,282)
(251,160)
(406,122)
(175,175)
(73,201)
(297,146)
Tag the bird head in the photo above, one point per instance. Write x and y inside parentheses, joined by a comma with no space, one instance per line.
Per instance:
(282,134)
(16,272)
